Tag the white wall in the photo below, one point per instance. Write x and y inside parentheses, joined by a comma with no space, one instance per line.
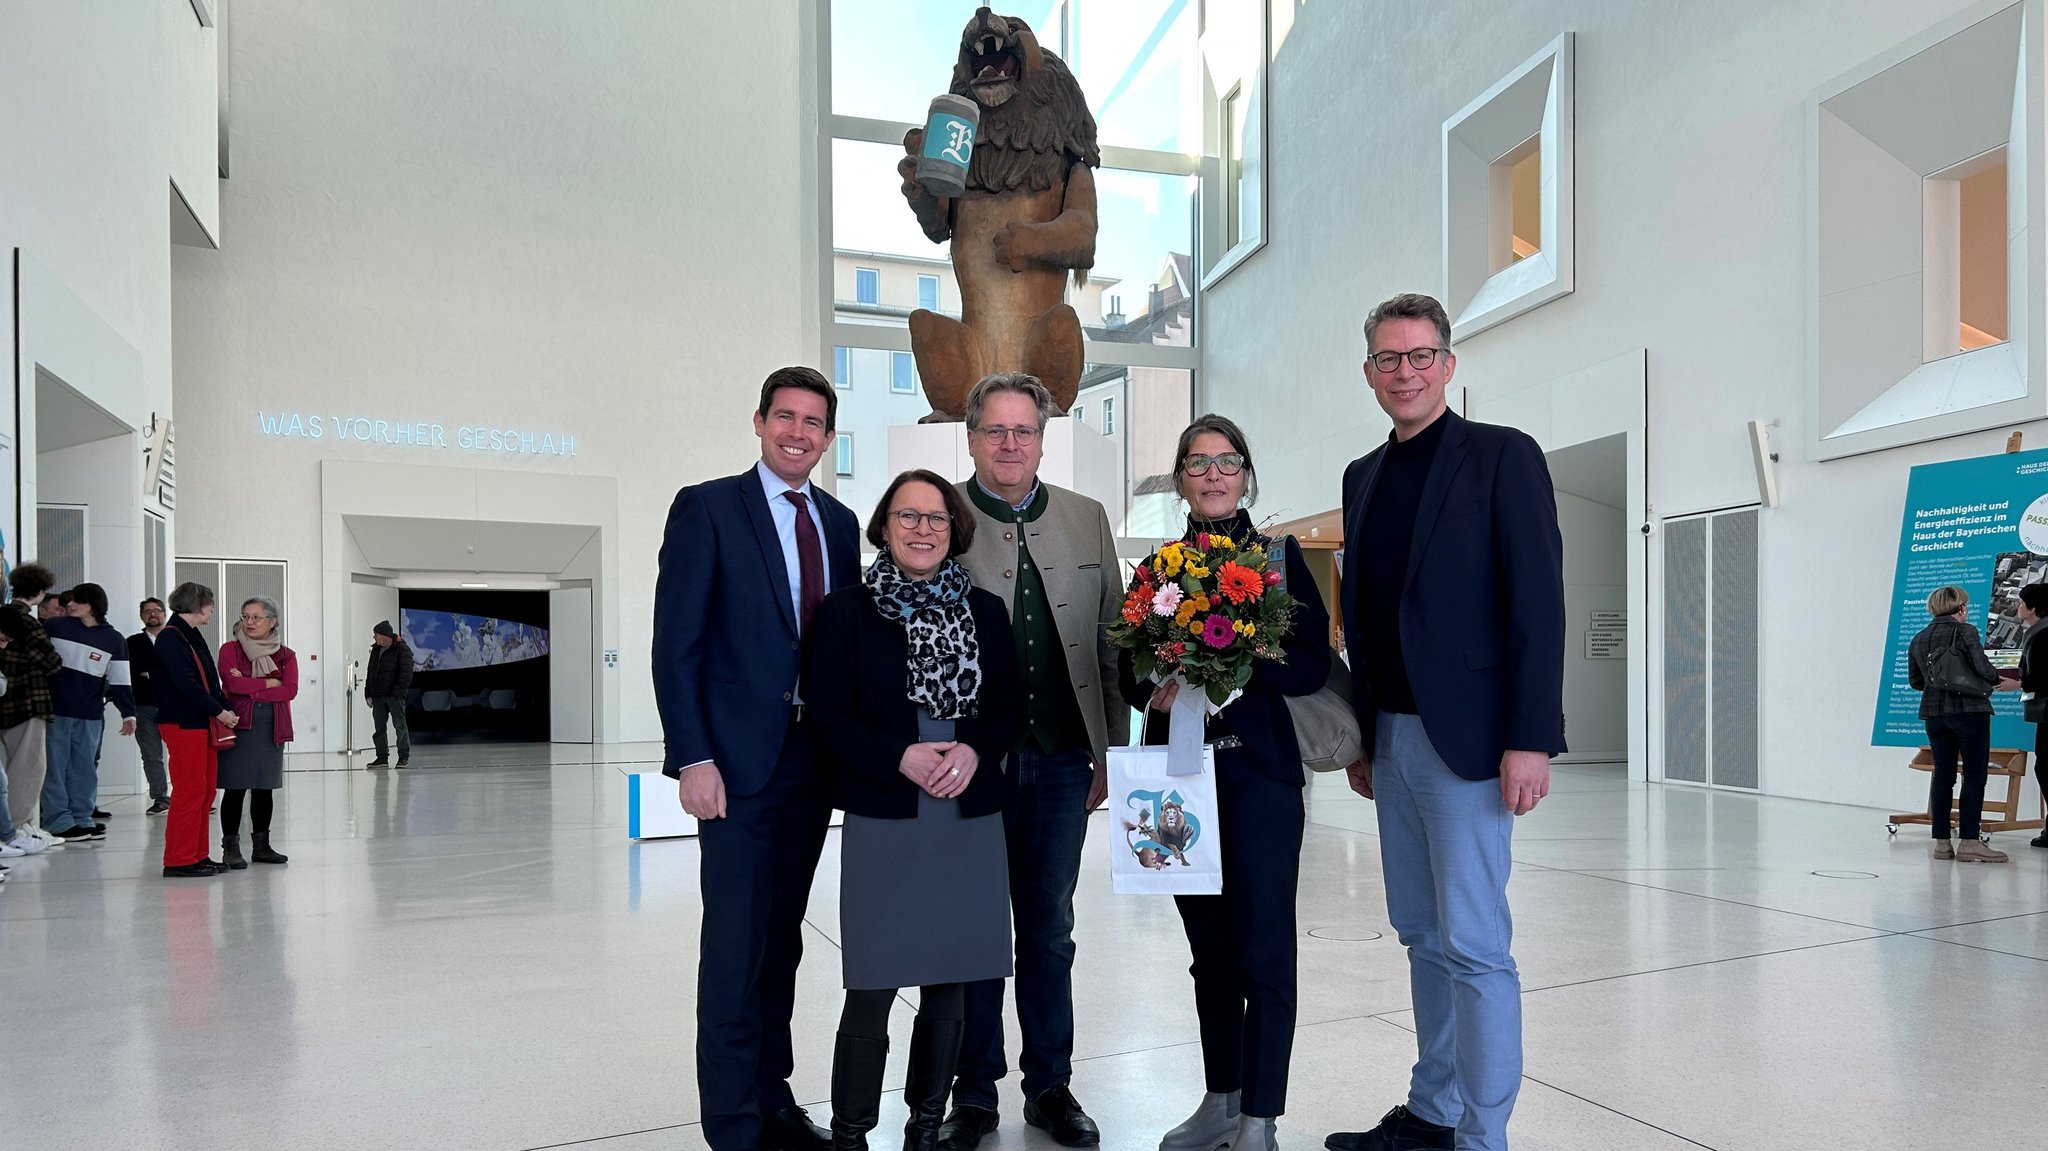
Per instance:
(596,222)
(101,106)
(1691,242)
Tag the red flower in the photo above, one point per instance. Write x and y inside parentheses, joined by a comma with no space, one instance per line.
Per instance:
(1136,606)
(1238,583)
(1273,579)
(1217,632)
(1202,541)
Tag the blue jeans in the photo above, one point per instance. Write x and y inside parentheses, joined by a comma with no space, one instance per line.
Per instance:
(1045,818)
(1445,847)
(73,777)
(150,742)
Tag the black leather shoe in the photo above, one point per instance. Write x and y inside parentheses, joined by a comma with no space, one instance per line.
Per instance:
(1398,1131)
(189,871)
(791,1129)
(2039,840)
(964,1128)
(1062,1118)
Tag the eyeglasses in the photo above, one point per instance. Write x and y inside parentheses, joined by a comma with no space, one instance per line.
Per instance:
(1418,358)
(994,436)
(910,518)
(255,618)
(1229,463)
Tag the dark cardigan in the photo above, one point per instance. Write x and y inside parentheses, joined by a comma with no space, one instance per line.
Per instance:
(1260,716)
(862,719)
(187,692)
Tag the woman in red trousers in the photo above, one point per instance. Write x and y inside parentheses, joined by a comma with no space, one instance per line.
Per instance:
(188,698)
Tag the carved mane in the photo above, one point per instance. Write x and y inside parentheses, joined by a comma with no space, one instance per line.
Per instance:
(1031,141)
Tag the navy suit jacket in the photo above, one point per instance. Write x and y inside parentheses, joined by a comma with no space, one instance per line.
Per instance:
(726,649)
(1482,610)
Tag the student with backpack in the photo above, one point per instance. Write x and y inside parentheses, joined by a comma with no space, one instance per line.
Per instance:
(1946,664)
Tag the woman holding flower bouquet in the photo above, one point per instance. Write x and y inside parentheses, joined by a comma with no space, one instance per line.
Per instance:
(913,691)
(1229,608)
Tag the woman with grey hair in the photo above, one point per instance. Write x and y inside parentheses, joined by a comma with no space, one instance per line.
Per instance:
(261,677)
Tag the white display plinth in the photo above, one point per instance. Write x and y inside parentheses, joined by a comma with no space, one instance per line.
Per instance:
(1077,457)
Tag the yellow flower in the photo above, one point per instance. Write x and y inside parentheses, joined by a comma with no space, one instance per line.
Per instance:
(1198,571)
(1247,629)
(1170,560)
(1195,628)
(1253,557)
(1221,544)
(1201,601)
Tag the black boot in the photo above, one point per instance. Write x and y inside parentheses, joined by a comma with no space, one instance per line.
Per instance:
(934,1055)
(261,851)
(231,852)
(857,1064)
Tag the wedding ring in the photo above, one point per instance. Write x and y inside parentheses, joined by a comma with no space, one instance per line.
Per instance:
(955,771)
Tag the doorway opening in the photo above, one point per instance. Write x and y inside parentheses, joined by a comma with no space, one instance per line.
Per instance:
(1591,479)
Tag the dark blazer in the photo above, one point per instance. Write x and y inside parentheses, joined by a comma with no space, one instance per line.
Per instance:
(142,661)
(390,671)
(1260,716)
(1482,612)
(188,693)
(862,717)
(726,654)
(2034,660)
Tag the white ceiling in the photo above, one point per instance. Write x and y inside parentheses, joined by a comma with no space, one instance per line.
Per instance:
(404,543)
(65,419)
(1596,470)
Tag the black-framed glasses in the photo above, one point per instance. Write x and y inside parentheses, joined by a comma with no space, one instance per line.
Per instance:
(911,517)
(1229,463)
(1421,359)
(994,435)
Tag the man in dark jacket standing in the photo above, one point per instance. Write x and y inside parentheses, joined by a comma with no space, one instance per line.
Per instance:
(385,687)
(149,741)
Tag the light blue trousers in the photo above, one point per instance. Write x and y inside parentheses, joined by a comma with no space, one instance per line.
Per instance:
(1444,843)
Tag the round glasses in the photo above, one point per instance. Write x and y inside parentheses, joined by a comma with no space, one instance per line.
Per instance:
(1229,463)
(910,518)
(1418,358)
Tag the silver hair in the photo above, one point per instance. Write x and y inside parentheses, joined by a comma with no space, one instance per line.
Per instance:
(1023,384)
(191,598)
(269,605)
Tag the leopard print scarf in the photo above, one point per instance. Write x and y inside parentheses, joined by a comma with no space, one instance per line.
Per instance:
(945,655)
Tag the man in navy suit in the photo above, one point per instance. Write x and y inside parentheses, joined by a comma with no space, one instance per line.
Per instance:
(744,563)
(1454,619)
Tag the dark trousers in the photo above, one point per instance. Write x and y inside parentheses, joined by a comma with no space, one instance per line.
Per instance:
(1045,817)
(150,743)
(755,874)
(393,709)
(1244,939)
(2041,760)
(1953,737)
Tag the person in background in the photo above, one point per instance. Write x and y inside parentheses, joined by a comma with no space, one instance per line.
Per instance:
(28,662)
(2034,681)
(141,659)
(915,697)
(95,657)
(13,841)
(53,607)
(385,685)
(1946,664)
(188,698)
(261,678)
(1243,940)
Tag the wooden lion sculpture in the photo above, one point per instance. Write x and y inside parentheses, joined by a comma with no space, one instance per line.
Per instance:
(1026,220)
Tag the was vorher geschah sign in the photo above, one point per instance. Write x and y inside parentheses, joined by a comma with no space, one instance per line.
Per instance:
(490,439)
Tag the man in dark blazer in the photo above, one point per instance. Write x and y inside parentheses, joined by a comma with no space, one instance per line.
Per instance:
(1454,620)
(744,564)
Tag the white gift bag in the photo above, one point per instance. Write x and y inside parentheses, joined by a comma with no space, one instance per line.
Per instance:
(1163,828)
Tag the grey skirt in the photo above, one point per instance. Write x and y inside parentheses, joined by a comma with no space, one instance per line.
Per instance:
(926,900)
(256,762)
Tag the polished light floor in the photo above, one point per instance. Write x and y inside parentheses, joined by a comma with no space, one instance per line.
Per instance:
(470,954)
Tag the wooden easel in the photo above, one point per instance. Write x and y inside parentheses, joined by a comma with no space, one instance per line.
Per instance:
(1999,814)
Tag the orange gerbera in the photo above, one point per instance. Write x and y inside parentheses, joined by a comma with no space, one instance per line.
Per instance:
(1238,583)
(1136,605)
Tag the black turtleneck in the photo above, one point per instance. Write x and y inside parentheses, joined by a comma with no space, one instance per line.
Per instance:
(1237,527)
(1388,535)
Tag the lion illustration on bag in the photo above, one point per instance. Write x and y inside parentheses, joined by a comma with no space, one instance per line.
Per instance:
(1164,831)
(1026,221)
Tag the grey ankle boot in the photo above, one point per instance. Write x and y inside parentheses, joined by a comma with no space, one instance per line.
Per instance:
(231,852)
(1254,1134)
(1213,1125)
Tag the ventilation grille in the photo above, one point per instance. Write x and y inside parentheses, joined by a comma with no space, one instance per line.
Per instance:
(1711,637)
(1735,650)
(1685,651)
(60,543)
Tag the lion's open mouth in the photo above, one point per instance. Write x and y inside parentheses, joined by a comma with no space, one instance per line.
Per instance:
(993,60)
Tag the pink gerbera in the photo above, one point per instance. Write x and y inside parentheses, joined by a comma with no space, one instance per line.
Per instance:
(1217,632)
(1166,600)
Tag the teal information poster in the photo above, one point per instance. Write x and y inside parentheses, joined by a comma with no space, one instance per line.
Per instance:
(1981,525)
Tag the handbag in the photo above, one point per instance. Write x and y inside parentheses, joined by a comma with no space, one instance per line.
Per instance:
(1164,837)
(1325,725)
(218,733)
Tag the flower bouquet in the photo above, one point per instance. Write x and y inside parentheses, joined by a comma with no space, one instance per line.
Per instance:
(1203,610)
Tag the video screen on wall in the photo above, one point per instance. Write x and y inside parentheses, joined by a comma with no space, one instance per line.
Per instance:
(446,640)
(480,660)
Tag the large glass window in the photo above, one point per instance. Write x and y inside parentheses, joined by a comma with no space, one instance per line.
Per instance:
(1139,64)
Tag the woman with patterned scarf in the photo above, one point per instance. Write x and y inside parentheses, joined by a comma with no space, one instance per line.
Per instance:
(912,687)
(261,677)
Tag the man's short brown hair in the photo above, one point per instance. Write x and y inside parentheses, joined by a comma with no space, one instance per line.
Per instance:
(1409,306)
(806,379)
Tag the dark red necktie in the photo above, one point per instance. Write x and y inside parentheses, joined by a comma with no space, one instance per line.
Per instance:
(811,558)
